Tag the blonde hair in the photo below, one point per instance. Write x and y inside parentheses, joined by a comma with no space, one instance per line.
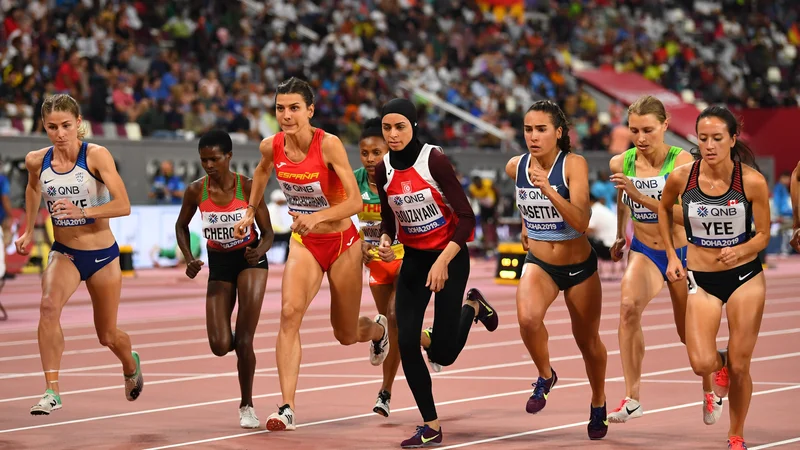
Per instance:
(64,103)
(649,105)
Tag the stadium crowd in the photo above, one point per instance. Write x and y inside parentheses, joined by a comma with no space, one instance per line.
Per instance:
(175,67)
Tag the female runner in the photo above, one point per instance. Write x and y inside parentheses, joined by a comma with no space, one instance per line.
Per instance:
(552,187)
(321,190)
(235,266)
(414,182)
(82,190)
(721,197)
(382,275)
(640,174)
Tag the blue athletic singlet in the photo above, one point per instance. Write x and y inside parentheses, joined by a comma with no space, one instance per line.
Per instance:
(542,220)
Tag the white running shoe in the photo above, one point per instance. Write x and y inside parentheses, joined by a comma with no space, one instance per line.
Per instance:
(382,404)
(283,420)
(628,409)
(379,349)
(248,418)
(436,367)
(712,408)
(49,402)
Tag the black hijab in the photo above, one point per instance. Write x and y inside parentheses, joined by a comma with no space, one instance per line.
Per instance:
(405,158)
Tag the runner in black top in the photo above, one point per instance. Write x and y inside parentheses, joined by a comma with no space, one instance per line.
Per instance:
(721,197)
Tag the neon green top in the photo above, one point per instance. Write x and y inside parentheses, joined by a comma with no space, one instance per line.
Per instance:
(370,215)
(650,186)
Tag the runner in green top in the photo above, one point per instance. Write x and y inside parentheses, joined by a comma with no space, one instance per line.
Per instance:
(640,175)
(382,275)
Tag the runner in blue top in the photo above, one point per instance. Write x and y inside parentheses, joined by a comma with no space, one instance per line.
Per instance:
(82,190)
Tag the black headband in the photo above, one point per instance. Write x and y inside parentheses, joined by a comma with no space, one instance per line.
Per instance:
(403,107)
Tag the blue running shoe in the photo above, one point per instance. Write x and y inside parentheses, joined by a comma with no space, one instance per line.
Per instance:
(541,389)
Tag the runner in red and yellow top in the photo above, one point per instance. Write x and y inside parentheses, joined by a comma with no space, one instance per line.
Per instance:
(382,275)
(236,265)
(322,193)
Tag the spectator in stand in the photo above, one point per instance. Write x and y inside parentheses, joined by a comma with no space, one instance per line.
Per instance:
(484,191)
(484,65)
(5,222)
(167,187)
(782,207)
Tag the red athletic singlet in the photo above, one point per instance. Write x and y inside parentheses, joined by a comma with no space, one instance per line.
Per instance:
(426,222)
(308,185)
(218,221)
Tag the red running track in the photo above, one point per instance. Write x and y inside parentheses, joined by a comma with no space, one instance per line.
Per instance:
(191,397)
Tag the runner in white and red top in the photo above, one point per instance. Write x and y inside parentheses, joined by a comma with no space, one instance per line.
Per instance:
(237,266)
(419,191)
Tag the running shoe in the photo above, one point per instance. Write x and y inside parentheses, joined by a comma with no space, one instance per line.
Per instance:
(598,425)
(379,349)
(722,383)
(382,404)
(712,408)
(486,314)
(541,389)
(736,443)
(434,366)
(283,420)
(49,402)
(628,409)
(424,437)
(248,418)
(134,384)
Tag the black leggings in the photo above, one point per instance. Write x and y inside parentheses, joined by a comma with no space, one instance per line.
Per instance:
(451,320)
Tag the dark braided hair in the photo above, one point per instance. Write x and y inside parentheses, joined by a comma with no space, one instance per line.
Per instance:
(372,128)
(559,121)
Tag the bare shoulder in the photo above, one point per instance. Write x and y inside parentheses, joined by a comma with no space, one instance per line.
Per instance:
(34,158)
(616,163)
(511,166)
(684,157)
(680,173)
(247,183)
(752,178)
(573,160)
(265,147)
(331,141)
(95,151)
(194,188)
(196,185)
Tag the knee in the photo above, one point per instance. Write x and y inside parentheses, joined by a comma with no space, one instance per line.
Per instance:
(702,363)
(391,318)
(243,344)
(49,310)
(106,338)
(590,344)
(530,323)
(220,345)
(446,356)
(345,337)
(291,317)
(738,365)
(630,315)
